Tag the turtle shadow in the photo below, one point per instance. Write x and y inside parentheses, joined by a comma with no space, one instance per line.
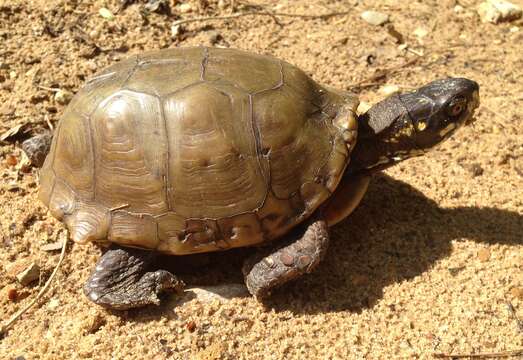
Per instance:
(396,234)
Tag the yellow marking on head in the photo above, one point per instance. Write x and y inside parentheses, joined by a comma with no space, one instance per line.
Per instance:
(443,132)
(421,125)
(406,131)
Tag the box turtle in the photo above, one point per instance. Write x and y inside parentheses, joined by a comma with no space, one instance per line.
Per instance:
(191,150)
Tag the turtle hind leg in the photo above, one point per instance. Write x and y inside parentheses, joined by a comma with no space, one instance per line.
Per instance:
(120,280)
(289,262)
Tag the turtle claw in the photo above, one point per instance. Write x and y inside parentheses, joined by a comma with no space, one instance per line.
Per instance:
(120,282)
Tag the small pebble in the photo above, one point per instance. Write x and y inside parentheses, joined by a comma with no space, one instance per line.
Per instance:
(175,31)
(156,5)
(185,8)
(106,13)
(458,9)
(30,274)
(496,11)
(389,89)
(63,97)
(420,32)
(374,17)
(484,255)
(475,170)
(24,271)
(52,246)
(53,304)
(95,321)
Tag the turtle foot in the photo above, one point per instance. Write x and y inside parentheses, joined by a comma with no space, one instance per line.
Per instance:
(264,273)
(120,280)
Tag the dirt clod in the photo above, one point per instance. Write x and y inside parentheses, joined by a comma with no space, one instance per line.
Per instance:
(190,326)
(484,255)
(11,160)
(12,294)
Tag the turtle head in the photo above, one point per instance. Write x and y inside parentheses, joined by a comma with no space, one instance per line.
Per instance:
(410,124)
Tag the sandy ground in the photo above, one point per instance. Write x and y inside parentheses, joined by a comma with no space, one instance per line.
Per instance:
(431,262)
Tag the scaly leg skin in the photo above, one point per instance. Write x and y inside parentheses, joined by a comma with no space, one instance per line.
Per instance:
(289,262)
(120,280)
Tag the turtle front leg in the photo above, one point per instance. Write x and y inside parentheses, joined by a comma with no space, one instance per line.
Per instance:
(287,263)
(120,280)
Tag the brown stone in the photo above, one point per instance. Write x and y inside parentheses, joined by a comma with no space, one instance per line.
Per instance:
(12,294)
(191,326)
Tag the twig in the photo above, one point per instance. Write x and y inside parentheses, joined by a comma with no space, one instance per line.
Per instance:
(49,124)
(16,316)
(47,88)
(512,312)
(259,13)
(501,354)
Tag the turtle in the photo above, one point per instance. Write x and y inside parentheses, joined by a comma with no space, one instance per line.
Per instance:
(193,150)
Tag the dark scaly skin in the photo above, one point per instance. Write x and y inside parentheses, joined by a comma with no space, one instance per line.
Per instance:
(37,148)
(290,262)
(120,280)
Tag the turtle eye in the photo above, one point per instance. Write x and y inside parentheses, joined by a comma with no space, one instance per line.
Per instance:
(457,106)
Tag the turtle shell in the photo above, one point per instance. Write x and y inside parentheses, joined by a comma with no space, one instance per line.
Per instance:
(196,149)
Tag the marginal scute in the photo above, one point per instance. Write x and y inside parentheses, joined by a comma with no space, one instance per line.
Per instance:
(62,201)
(313,193)
(171,228)
(133,230)
(276,216)
(47,180)
(201,232)
(333,170)
(241,230)
(89,222)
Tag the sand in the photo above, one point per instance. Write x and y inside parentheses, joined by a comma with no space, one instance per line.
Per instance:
(431,261)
